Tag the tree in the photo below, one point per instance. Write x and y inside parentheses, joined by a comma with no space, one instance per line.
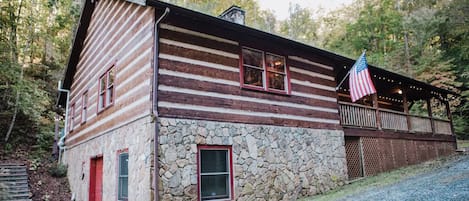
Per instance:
(300,25)
(35,39)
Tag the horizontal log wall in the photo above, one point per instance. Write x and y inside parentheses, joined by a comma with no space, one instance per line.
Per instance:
(199,78)
(120,34)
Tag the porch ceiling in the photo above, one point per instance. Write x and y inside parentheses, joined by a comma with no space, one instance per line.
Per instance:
(389,85)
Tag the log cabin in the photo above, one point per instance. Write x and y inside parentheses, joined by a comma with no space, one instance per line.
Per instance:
(167,103)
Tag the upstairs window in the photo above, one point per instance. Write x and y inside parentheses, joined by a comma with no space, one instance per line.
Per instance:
(84,105)
(123,186)
(264,71)
(215,173)
(106,89)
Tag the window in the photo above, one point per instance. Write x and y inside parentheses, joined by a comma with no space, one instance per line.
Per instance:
(264,71)
(106,89)
(123,176)
(215,173)
(72,117)
(84,105)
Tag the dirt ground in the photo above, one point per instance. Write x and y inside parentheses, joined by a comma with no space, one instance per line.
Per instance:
(42,185)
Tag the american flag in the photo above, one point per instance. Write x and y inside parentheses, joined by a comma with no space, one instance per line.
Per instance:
(360,80)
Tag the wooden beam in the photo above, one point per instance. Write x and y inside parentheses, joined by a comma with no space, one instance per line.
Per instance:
(430,114)
(359,132)
(406,109)
(376,106)
(450,117)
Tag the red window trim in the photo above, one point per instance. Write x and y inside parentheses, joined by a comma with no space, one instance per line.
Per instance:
(230,155)
(265,74)
(118,153)
(84,107)
(105,75)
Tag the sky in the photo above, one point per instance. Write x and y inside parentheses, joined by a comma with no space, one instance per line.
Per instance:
(280,7)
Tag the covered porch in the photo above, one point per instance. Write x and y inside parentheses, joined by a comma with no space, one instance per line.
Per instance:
(401,104)
(405,122)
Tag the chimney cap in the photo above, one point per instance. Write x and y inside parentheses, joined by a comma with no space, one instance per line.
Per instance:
(234,14)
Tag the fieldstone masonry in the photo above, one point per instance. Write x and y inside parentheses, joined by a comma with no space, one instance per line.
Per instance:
(269,162)
(137,137)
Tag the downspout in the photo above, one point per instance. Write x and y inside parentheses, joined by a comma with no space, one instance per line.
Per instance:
(61,142)
(156,175)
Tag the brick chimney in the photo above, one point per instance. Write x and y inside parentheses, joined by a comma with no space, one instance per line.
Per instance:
(233,14)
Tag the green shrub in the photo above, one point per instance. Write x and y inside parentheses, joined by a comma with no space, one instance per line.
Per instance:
(59,170)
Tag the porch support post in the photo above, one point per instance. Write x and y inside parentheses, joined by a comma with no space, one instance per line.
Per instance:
(430,114)
(376,106)
(406,109)
(450,117)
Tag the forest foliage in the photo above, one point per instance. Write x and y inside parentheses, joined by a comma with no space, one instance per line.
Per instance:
(35,38)
(424,39)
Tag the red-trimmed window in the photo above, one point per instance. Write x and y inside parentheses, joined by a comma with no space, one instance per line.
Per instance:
(106,89)
(264,71)
(84,107)
(215,172)
(123,178)
(72,117)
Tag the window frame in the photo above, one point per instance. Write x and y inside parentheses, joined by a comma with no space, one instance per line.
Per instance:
(84,107)
(229,151)
(106,90)
(265,73)
(120,153)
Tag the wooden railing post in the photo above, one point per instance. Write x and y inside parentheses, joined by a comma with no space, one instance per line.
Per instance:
(430,114)
(406,109)
(450,117)
(376,106)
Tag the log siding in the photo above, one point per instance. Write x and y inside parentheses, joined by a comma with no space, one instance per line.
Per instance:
(199,78)
(120,33)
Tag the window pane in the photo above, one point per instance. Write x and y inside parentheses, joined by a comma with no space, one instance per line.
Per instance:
(253,76)
(123,188)
(111,77)
(275,63)
(214,187)
(253,58)
(276,81)
(123,178)
(101,101)
(124,163)
(110,96)
(213,161)
(102,85)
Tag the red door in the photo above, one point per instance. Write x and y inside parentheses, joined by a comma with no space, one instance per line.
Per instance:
(96,179)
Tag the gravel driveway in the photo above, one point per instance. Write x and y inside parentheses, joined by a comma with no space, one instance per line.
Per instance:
(451,182)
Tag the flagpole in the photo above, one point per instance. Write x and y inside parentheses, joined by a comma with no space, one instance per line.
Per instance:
(348,73)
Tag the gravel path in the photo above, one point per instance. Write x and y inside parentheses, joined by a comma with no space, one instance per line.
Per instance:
(450,182)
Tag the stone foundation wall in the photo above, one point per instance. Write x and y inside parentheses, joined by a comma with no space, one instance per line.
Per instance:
(269,162)
(137,137)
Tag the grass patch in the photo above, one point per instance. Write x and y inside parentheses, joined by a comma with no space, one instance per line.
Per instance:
(380,180)
(463,144)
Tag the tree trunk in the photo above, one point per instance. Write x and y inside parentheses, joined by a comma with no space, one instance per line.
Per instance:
(14,59)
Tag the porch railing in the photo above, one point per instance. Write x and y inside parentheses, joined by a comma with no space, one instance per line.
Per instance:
(356,115)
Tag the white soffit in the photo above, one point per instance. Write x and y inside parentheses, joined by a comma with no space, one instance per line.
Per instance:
(139,2)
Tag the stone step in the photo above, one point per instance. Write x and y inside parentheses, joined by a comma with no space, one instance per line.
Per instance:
(21,200)
(19,196)
(13,178)
(13,174)
(14,182)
